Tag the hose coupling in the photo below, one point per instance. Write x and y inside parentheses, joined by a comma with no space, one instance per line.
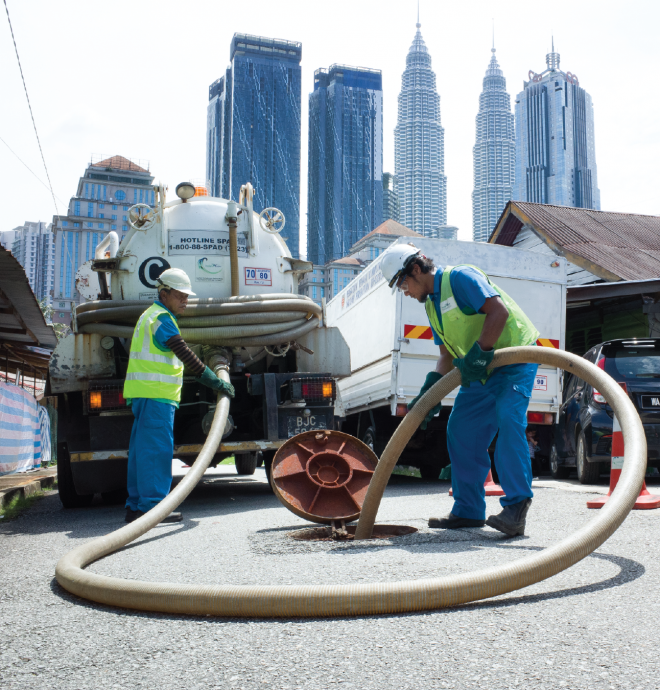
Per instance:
(216,358)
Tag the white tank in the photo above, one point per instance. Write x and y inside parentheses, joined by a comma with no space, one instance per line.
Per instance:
(194,235)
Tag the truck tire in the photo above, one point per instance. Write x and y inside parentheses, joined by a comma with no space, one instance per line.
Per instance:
(67,490)
(246,463)
(556,470)
(369,438)
(587,472)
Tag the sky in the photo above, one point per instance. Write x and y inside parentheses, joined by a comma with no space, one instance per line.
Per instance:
(132,78)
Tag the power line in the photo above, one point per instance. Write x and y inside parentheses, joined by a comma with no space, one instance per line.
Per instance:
(27,166)
(11,28)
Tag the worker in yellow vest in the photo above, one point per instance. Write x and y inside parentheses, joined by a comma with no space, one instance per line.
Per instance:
(153,389)
(471,318)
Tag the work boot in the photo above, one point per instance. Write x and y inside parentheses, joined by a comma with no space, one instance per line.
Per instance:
(452,521)
(172,517)
(511,520)
(133,514)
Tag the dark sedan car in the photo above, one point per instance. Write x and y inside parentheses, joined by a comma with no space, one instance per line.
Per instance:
(583,433)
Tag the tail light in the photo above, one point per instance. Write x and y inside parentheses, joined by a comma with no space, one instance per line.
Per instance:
(105,399)
(540,417)
(598,397)
(401,409)
(595,394)
(313,390)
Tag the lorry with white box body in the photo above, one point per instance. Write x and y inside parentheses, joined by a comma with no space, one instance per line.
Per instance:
(392,347)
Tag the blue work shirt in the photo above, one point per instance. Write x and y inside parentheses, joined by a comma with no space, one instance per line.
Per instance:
(470,288)
(164,331)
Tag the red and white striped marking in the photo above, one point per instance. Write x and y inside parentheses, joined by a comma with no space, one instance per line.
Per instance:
(645,500)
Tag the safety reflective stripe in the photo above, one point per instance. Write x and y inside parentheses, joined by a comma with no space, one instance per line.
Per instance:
(147,356)
(160,378)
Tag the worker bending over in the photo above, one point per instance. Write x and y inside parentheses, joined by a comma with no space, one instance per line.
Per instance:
(471,318)
(153,389)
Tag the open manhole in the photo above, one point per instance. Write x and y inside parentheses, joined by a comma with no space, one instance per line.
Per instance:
(347,533)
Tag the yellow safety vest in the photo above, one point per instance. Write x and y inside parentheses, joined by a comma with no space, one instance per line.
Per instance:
(152,373)
(459,331)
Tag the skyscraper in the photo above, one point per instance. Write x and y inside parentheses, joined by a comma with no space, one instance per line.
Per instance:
(419,148)
(34,247)
(109,187)
(494,153)
(390,197)
(253,128)
(345,179)
(555,151)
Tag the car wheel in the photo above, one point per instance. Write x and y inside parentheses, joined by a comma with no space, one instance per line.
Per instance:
(68,495)
(246,463)
(587,472)
(557,470)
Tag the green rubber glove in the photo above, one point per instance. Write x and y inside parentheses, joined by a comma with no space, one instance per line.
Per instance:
(473,366)
(431,379)
(209,379)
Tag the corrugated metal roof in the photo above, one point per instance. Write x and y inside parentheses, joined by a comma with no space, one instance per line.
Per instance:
(623,245)
(21,319)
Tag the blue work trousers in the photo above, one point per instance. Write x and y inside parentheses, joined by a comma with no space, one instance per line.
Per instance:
(479,412)
(150,453)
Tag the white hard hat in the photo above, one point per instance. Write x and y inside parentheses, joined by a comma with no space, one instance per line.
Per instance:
(395,261)
(176,279)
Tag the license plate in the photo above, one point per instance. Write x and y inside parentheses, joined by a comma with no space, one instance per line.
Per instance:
(298,424)
(651,402)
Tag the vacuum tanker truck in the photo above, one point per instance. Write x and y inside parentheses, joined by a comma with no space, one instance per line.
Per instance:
(283,360)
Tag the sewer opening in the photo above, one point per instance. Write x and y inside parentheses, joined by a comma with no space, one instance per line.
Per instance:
(338,532)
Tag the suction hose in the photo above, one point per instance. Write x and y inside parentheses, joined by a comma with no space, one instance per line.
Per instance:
(259,601)
(241,321)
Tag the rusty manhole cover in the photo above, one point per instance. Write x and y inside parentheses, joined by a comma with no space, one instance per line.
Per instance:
(323,475)
(347,533)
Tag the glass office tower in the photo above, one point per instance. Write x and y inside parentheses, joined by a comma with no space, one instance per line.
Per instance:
(494,154)
(555,149)
(345,178)
(253,128)
(419,145)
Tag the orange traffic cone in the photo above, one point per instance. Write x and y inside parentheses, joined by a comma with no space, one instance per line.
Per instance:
(492,489)
(645,500)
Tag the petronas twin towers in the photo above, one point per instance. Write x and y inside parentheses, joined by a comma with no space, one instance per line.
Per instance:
(546,155)
(419,149)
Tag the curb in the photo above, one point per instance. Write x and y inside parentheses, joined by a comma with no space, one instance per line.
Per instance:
(28,488)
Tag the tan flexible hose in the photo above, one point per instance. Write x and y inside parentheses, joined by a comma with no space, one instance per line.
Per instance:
(69,570)
(194,302)
(241,321)
(261,601)
(216,336)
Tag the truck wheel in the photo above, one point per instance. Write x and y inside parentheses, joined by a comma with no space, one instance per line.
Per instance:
(430,472)
(246,463)
(68,495)
(556,470)
(587,472)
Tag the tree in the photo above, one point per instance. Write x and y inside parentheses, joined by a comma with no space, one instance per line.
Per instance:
(61,330)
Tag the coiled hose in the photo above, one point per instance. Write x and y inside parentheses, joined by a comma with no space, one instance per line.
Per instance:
(243,321)
(261,601)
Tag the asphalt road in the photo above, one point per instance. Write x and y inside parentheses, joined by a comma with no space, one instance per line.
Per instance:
(593,626)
